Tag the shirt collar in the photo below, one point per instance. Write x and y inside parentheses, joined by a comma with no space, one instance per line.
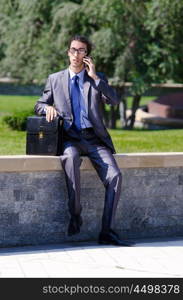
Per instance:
(80,74)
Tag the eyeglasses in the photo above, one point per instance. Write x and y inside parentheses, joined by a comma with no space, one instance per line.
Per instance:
(79,51)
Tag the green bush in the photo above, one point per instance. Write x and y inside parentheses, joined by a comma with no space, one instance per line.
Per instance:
(18,120)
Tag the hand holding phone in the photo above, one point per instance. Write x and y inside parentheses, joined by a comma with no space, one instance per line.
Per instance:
(90,67)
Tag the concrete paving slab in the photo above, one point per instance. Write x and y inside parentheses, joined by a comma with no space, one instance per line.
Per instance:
(147,258)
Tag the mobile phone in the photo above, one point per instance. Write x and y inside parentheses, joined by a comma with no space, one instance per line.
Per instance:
(83,62)
(85,65)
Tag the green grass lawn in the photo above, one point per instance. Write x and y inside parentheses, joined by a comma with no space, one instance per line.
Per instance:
(13,142)
(10,104)
(125,141)
(138,140)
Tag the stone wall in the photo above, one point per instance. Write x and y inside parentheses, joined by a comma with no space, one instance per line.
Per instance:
(33,199)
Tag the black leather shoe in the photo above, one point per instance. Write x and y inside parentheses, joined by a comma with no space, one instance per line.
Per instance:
(113,232)
(111,238)
(74,225)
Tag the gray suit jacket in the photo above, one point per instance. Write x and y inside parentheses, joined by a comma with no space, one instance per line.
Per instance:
(56,93)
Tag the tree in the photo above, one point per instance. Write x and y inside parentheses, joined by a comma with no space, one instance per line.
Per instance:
(165,26)
(135,41)
(152,55)
(24,35)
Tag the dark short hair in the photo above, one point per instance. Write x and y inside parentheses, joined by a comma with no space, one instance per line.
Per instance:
(84,40)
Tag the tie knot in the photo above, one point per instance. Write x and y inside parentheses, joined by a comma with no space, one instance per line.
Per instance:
(75,78)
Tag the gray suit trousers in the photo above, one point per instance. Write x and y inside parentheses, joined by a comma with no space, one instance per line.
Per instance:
(106,167)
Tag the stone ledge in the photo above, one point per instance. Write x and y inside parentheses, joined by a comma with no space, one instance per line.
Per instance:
(33,163)
(34,199)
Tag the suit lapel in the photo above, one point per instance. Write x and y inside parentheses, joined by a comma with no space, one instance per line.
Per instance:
(86,87)
(65,85)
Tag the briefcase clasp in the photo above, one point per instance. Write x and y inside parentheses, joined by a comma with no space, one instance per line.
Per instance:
(40,135)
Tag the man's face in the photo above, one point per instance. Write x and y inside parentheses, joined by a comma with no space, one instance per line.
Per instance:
(76,53)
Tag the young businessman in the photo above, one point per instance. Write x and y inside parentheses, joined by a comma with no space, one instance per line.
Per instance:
(75,94)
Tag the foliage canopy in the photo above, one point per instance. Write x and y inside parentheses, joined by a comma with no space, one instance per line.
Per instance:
(135,40)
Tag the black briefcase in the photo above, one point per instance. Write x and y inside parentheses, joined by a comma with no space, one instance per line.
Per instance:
(43,137)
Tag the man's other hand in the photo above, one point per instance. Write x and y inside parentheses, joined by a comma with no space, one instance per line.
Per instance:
(51,113)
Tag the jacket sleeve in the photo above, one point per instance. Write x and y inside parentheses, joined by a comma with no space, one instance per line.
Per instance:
(108,94)
(45,100)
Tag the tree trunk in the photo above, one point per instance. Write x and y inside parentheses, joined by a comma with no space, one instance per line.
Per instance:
(114,114)
(122,105)
(131,119)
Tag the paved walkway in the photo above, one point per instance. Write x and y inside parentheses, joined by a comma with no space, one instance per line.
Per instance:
(148,258)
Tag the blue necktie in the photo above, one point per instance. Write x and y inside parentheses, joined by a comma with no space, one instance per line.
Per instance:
(75,100)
